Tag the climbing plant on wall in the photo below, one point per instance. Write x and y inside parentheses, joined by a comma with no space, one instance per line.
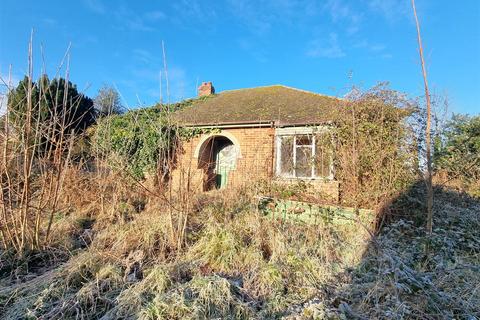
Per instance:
(142,140)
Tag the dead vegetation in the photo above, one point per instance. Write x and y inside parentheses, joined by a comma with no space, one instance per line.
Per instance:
(239,264)
(84,239)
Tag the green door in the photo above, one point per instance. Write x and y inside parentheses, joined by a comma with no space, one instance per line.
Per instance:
(225,159)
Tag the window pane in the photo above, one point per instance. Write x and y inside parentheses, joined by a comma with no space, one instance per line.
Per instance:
(304,162)
(304,140)
(286,156)
(323,155)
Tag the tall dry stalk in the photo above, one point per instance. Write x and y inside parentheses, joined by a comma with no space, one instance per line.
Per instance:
(175,202)
(36,157)
(427,133)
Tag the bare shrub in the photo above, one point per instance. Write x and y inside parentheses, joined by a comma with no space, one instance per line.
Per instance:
(40,130)
(376,147)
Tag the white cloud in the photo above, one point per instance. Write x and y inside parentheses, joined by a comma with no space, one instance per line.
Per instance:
(155,15)
(386,56)
(329,48)
(95,6)
(125,17)
(260,17)
(130,20)
(391,10)
(194,10)
(377,49)
(142,56)
(365,44)
(50,22)
(343,13)
(348,14)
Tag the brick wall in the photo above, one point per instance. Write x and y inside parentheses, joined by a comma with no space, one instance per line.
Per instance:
(256,161)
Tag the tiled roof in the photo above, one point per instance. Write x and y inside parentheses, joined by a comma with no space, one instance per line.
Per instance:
(280,104)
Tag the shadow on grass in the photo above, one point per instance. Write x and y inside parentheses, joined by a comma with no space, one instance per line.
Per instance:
(405,273)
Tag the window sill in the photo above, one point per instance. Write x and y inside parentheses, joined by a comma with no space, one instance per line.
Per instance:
(326,179)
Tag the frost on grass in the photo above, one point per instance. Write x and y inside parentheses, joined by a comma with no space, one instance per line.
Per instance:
(238,264)
(397,279)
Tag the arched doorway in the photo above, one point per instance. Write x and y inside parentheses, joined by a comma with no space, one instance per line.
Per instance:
(217,157)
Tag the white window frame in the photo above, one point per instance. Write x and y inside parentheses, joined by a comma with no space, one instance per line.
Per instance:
(297,131)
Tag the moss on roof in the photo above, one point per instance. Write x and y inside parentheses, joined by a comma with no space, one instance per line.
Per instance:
(277,103)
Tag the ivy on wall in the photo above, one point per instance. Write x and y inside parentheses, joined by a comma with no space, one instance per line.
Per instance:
(141,140)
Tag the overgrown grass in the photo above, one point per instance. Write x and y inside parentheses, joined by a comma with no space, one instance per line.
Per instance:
(238,264)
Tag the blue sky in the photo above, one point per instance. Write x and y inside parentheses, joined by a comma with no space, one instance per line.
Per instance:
(322,46)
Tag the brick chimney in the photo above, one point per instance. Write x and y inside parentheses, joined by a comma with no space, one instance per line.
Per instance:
(206,89)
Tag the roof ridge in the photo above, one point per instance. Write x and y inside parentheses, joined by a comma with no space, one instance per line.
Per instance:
(286,87)
(249,88)
(311,92)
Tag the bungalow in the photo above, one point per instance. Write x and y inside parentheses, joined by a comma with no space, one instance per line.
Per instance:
(264,133)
